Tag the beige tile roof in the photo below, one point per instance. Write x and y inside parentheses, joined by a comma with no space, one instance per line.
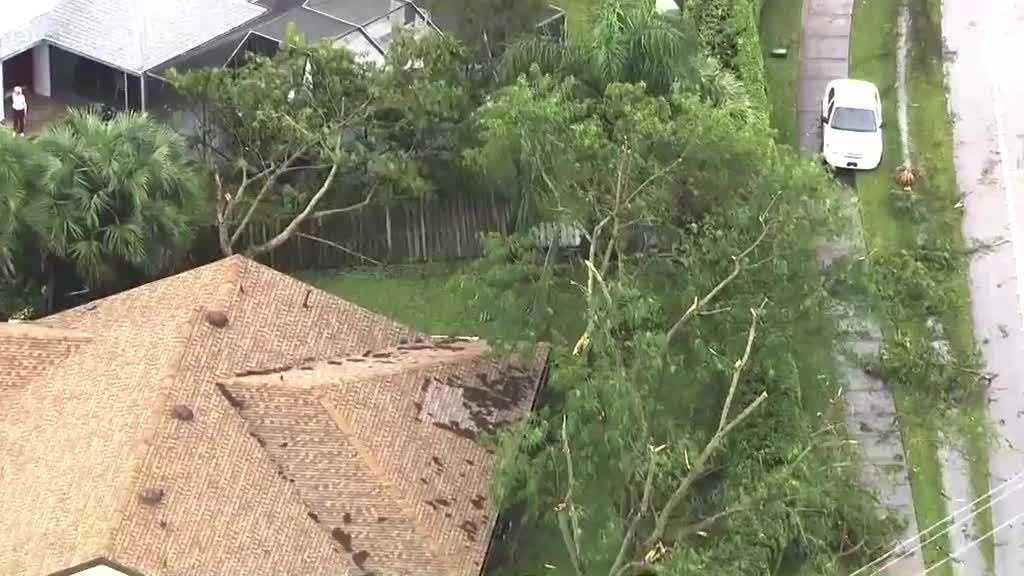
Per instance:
(28,351)
(397,433)
(122,446)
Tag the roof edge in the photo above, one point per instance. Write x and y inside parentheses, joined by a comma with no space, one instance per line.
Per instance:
(98,561)
(34,331)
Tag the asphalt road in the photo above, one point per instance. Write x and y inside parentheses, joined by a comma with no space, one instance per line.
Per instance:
(984,44)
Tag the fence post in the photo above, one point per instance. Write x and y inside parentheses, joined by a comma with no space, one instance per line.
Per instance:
(387,225)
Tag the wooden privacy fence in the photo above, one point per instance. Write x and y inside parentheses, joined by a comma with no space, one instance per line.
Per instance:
(431,230)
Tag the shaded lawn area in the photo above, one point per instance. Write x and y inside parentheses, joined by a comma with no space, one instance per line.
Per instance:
(890,228)
(780,28)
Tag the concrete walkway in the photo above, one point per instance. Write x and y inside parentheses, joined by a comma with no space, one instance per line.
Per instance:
(824,56)
(983,42)
(870,410)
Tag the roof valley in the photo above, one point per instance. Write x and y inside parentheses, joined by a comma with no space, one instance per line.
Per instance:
(428,540)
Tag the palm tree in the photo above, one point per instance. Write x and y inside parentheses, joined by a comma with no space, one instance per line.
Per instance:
(20,165)
(625,41)
(119,198)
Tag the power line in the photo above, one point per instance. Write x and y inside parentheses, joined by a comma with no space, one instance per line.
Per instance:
(946,530)
(916,537)
(972,543)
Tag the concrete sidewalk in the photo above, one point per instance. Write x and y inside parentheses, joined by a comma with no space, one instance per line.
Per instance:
(824,56)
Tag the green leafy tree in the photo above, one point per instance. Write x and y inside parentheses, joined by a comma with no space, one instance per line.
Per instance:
(423,99)
(625,41)
(20,163)
(310,134)
(679,440)
(118,199)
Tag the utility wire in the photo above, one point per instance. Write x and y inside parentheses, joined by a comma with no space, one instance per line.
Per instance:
(916,537)
(946,530)
(972,543)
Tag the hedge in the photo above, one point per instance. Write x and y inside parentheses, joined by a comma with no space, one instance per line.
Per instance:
(728,31)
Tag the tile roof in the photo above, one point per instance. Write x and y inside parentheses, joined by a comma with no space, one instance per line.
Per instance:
(135,35)
(29,351)
(397,433)
(121,445)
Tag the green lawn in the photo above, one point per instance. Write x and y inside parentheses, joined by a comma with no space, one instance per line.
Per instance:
(889,228)
(780,28)
(420,296)
(432,298)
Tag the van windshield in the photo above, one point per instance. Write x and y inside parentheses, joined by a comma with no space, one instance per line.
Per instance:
(854,119)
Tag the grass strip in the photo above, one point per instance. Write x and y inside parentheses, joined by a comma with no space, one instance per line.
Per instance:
(896,223)
(886,231)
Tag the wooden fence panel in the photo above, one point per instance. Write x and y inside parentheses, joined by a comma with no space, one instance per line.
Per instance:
(432,230)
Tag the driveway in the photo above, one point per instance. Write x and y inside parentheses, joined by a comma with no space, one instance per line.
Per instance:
(984,41)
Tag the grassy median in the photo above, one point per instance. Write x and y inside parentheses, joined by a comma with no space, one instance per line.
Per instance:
(920,231)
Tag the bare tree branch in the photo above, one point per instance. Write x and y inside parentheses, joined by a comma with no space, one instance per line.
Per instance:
(755,314)
(339,247)
(638,515)
(724,427)
(567,521)
(708,522)
(351,208)
(637,568)
(222,227)
(737,267)
(289,230)
(271,179)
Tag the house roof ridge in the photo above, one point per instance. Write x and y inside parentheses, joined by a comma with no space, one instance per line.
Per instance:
(426,540)
(186,332)
(145,438)
(386,361)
